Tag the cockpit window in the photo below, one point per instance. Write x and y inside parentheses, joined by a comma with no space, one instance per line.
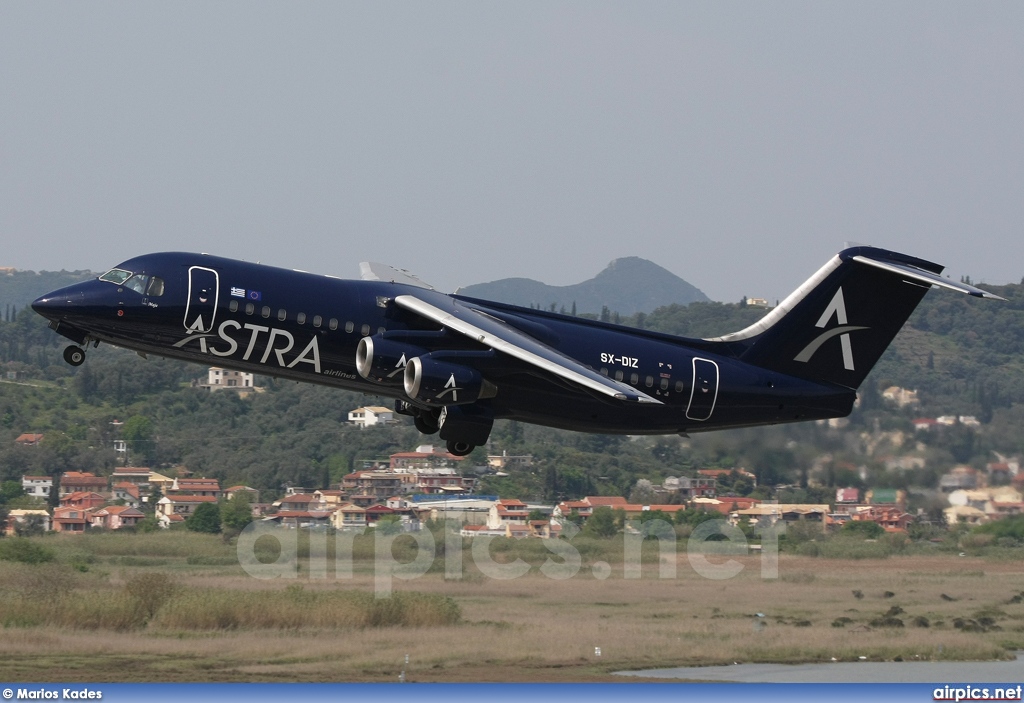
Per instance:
(117,276)
(137,283)
(152,286)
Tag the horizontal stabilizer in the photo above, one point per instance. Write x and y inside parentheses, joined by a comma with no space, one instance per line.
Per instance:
(926,277)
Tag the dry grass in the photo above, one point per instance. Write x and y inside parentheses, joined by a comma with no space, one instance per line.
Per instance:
(528,629)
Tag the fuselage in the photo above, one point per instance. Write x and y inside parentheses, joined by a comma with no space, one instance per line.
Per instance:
(306,327)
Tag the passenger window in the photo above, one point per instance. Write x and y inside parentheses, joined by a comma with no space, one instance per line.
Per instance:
(233,306)
(679,386)
(618,375)
(649,381)
(282,314)
(250,308)
(604,371)
(333,324)
(664,384)
(301,318)
(265,311)
(155,288)
(364,330)
(317,320)
(381,330)
(349,327)
(634,378)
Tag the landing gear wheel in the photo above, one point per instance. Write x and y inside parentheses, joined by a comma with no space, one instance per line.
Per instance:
(426,424)
(459,448)
(74,355)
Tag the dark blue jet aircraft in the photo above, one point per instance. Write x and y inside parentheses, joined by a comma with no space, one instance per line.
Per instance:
(455,364)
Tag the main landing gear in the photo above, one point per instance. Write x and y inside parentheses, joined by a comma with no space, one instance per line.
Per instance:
(460,448)
(463,429)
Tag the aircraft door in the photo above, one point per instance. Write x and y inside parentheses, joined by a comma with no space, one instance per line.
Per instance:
(705,390)
(203,291)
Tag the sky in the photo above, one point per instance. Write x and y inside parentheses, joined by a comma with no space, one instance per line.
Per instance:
(739,145)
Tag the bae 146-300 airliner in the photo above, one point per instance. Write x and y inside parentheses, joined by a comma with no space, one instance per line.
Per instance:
(455,364)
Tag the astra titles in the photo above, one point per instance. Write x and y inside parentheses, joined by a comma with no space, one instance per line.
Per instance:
(233,336)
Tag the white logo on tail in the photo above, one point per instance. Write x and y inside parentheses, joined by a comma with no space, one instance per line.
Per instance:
(838,308)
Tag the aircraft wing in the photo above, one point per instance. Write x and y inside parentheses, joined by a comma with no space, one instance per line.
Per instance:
(373,271)
(486,329)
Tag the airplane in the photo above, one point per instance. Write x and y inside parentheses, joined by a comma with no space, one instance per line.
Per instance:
(456,364)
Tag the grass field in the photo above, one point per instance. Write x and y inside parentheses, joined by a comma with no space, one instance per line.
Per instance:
(175,607)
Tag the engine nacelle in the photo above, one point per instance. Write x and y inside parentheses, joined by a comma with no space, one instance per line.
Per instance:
(384,361)
(436,382)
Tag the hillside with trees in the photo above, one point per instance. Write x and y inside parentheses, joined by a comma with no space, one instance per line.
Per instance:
(961,355)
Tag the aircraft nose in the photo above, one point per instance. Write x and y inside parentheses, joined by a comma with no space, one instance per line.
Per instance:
(58,303)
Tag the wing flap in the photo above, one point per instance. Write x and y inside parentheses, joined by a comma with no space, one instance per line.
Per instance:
(492,332)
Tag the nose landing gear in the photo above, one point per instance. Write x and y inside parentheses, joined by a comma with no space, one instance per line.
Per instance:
(74,355)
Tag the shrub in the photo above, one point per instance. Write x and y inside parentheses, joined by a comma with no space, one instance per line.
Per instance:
(25,551)
(150,591)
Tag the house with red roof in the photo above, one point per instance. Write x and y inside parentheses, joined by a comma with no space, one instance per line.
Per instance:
(376,483)
(195,487)
(83,500)
(507,512)
(115,517)
(300,518)
(181,505)
(79,481)
(349,516)
(127,492)
(252,493)
(71,520)
(891,519)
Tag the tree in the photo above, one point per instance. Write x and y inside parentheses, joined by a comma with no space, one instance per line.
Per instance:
(236,513)
(864,528)
(389,525)
(643,492)
(9,490)
(206,518)
(138,433)
(30,526)
(601,522)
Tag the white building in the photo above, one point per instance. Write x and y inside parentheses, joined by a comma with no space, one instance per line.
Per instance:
(371,415)
(221,379)
(37,486)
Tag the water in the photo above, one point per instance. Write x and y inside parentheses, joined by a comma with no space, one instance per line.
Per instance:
(849,672)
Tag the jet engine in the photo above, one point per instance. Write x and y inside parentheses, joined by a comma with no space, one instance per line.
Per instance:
(383,360)
(438,383)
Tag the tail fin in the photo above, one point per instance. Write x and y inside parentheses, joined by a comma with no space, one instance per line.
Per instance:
(836,326)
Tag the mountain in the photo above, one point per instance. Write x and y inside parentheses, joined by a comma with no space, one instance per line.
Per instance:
(627,286)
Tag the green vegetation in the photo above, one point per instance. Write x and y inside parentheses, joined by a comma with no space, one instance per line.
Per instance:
(962,358)
(205,518)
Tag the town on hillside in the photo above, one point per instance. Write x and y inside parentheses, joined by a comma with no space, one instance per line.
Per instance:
(407,489)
